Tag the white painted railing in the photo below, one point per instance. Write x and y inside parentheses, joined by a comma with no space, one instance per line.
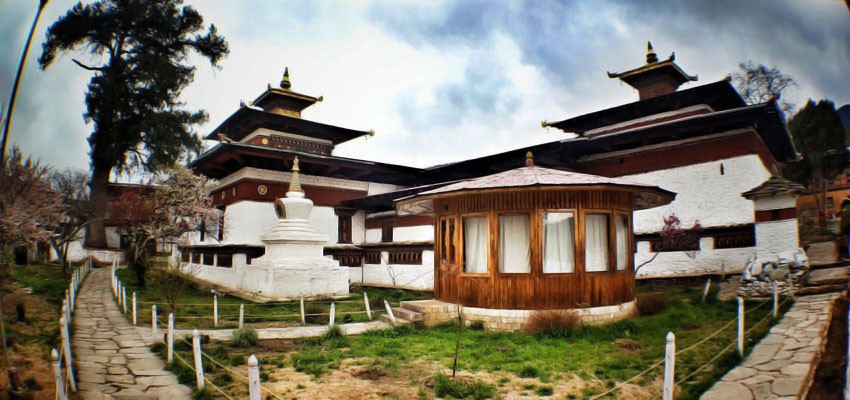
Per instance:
(65,381)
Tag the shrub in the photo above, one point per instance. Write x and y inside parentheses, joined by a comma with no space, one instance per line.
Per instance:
(544,391)
(334,338)
(529,371)
(314,361)
(237,360)
(652,303)
(553,323)
(459,389)
(476,325)
(244,338)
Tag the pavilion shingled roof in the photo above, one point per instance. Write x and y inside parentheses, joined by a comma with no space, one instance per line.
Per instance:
(774,186)
(645,195)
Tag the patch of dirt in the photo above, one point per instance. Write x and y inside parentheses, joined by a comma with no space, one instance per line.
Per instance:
(628,344)
(829,375)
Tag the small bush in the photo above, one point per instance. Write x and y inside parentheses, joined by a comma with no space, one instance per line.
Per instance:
(476,325)
(314,362)
(529,371)
(553,323)
(244,338)
(652,303)
(219,353)
(458,389)
(334,338)
(544,391)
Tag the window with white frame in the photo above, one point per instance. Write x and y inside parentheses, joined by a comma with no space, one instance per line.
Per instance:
(596,252)
(558,242)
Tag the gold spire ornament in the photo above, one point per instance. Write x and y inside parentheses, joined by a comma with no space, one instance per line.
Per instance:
(529,159)
(651,57)
(285,83)
(295,183)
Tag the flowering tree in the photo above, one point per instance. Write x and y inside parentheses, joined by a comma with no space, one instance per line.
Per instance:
(177,205)
(674,237)
(72,187)
(27,204)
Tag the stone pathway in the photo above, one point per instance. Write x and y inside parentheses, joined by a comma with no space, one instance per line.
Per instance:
(111,359)
(783,363)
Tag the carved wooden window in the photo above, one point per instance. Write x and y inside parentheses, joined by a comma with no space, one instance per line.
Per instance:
(221,224)
(185,256)
(387,231)
(447,240)
(344,225)
(225,260)
(372,257)
(409,257)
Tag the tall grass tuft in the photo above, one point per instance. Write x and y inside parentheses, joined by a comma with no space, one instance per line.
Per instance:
(244,338)
(553,323)
(445,386)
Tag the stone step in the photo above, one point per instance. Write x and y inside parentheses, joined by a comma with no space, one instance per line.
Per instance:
(829,276)
(399,321)
(810,290)
(428,306)
(409,315)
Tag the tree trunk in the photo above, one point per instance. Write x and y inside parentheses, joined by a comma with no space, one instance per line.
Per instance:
(96,230)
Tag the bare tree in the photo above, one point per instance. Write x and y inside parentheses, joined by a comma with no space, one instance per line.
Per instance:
(676,237)
(172,278)
(759,84)
(72,186)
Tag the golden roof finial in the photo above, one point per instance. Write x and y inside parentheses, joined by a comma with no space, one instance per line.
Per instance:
(651,57)
(285,83)
(295,183)
(529,159)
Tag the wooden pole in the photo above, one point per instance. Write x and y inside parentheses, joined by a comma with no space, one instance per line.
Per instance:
(57,373)
(332,317)
(66,349)
(390,311)
(215,310)
(740,326)
(134,308)
(253,379)
(303,316)
(241,316)
(368,308)
(669,367)
(170,338)
(199,366)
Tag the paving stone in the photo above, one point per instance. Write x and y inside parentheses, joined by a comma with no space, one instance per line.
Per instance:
(728,390)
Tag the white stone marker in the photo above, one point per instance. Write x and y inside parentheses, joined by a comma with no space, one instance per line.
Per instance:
(303,316)
(66,348)
(368,308)
(134,309)
(669,367)
(170,338)
(332,316)
(740,326)
(153,320)
(253,379)
(199,366)
(389,311)
(57,372)
(241,316)
(215,310)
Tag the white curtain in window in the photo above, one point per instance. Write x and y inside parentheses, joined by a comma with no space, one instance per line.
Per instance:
(622,230)
(475,245)
(514,251)
(596,242)
(558,243)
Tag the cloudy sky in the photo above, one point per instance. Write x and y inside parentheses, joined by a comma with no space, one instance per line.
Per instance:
(444,81)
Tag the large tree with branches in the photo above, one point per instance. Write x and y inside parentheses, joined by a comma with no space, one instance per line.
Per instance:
(760,84)
(133,96)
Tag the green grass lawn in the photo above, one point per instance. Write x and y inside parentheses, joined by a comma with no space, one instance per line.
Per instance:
(47,281)
(587,353)
(195,306)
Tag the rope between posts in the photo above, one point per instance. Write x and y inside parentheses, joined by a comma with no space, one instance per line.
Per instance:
(177,355)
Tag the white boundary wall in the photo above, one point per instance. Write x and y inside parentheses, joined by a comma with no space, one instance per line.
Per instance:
(706,261)
(417,277)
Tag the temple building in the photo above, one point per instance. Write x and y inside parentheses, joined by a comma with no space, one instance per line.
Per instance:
(703,143)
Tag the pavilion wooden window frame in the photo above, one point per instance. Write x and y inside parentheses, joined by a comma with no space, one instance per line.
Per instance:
(612,240)
(461,247)
(449,256)
(630,247)
(576,244)
(533,257)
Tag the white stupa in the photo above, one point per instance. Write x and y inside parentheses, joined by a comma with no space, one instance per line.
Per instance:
(294,263)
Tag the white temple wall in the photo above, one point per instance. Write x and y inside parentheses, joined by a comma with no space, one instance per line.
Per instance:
(416,277)
(358,227)
(775,203)
(245,221)
(776,237)
(413,233)
(706,261)
(373,236)
(113,237)
(324,220)
(703,193)
(379,188)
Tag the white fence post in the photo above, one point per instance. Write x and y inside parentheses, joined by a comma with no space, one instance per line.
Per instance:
(241,316)
(66,348)
(368,308)
(199,366)
(332,317)
(124,299)
(740,326)
(303,317)
(153,320)
(775,300)
(73,291)
(118,295)
(253,379)
(170,338)
(215,310)
(134,309)
(390,311)
(57,372)
(706,290)
(669,367)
